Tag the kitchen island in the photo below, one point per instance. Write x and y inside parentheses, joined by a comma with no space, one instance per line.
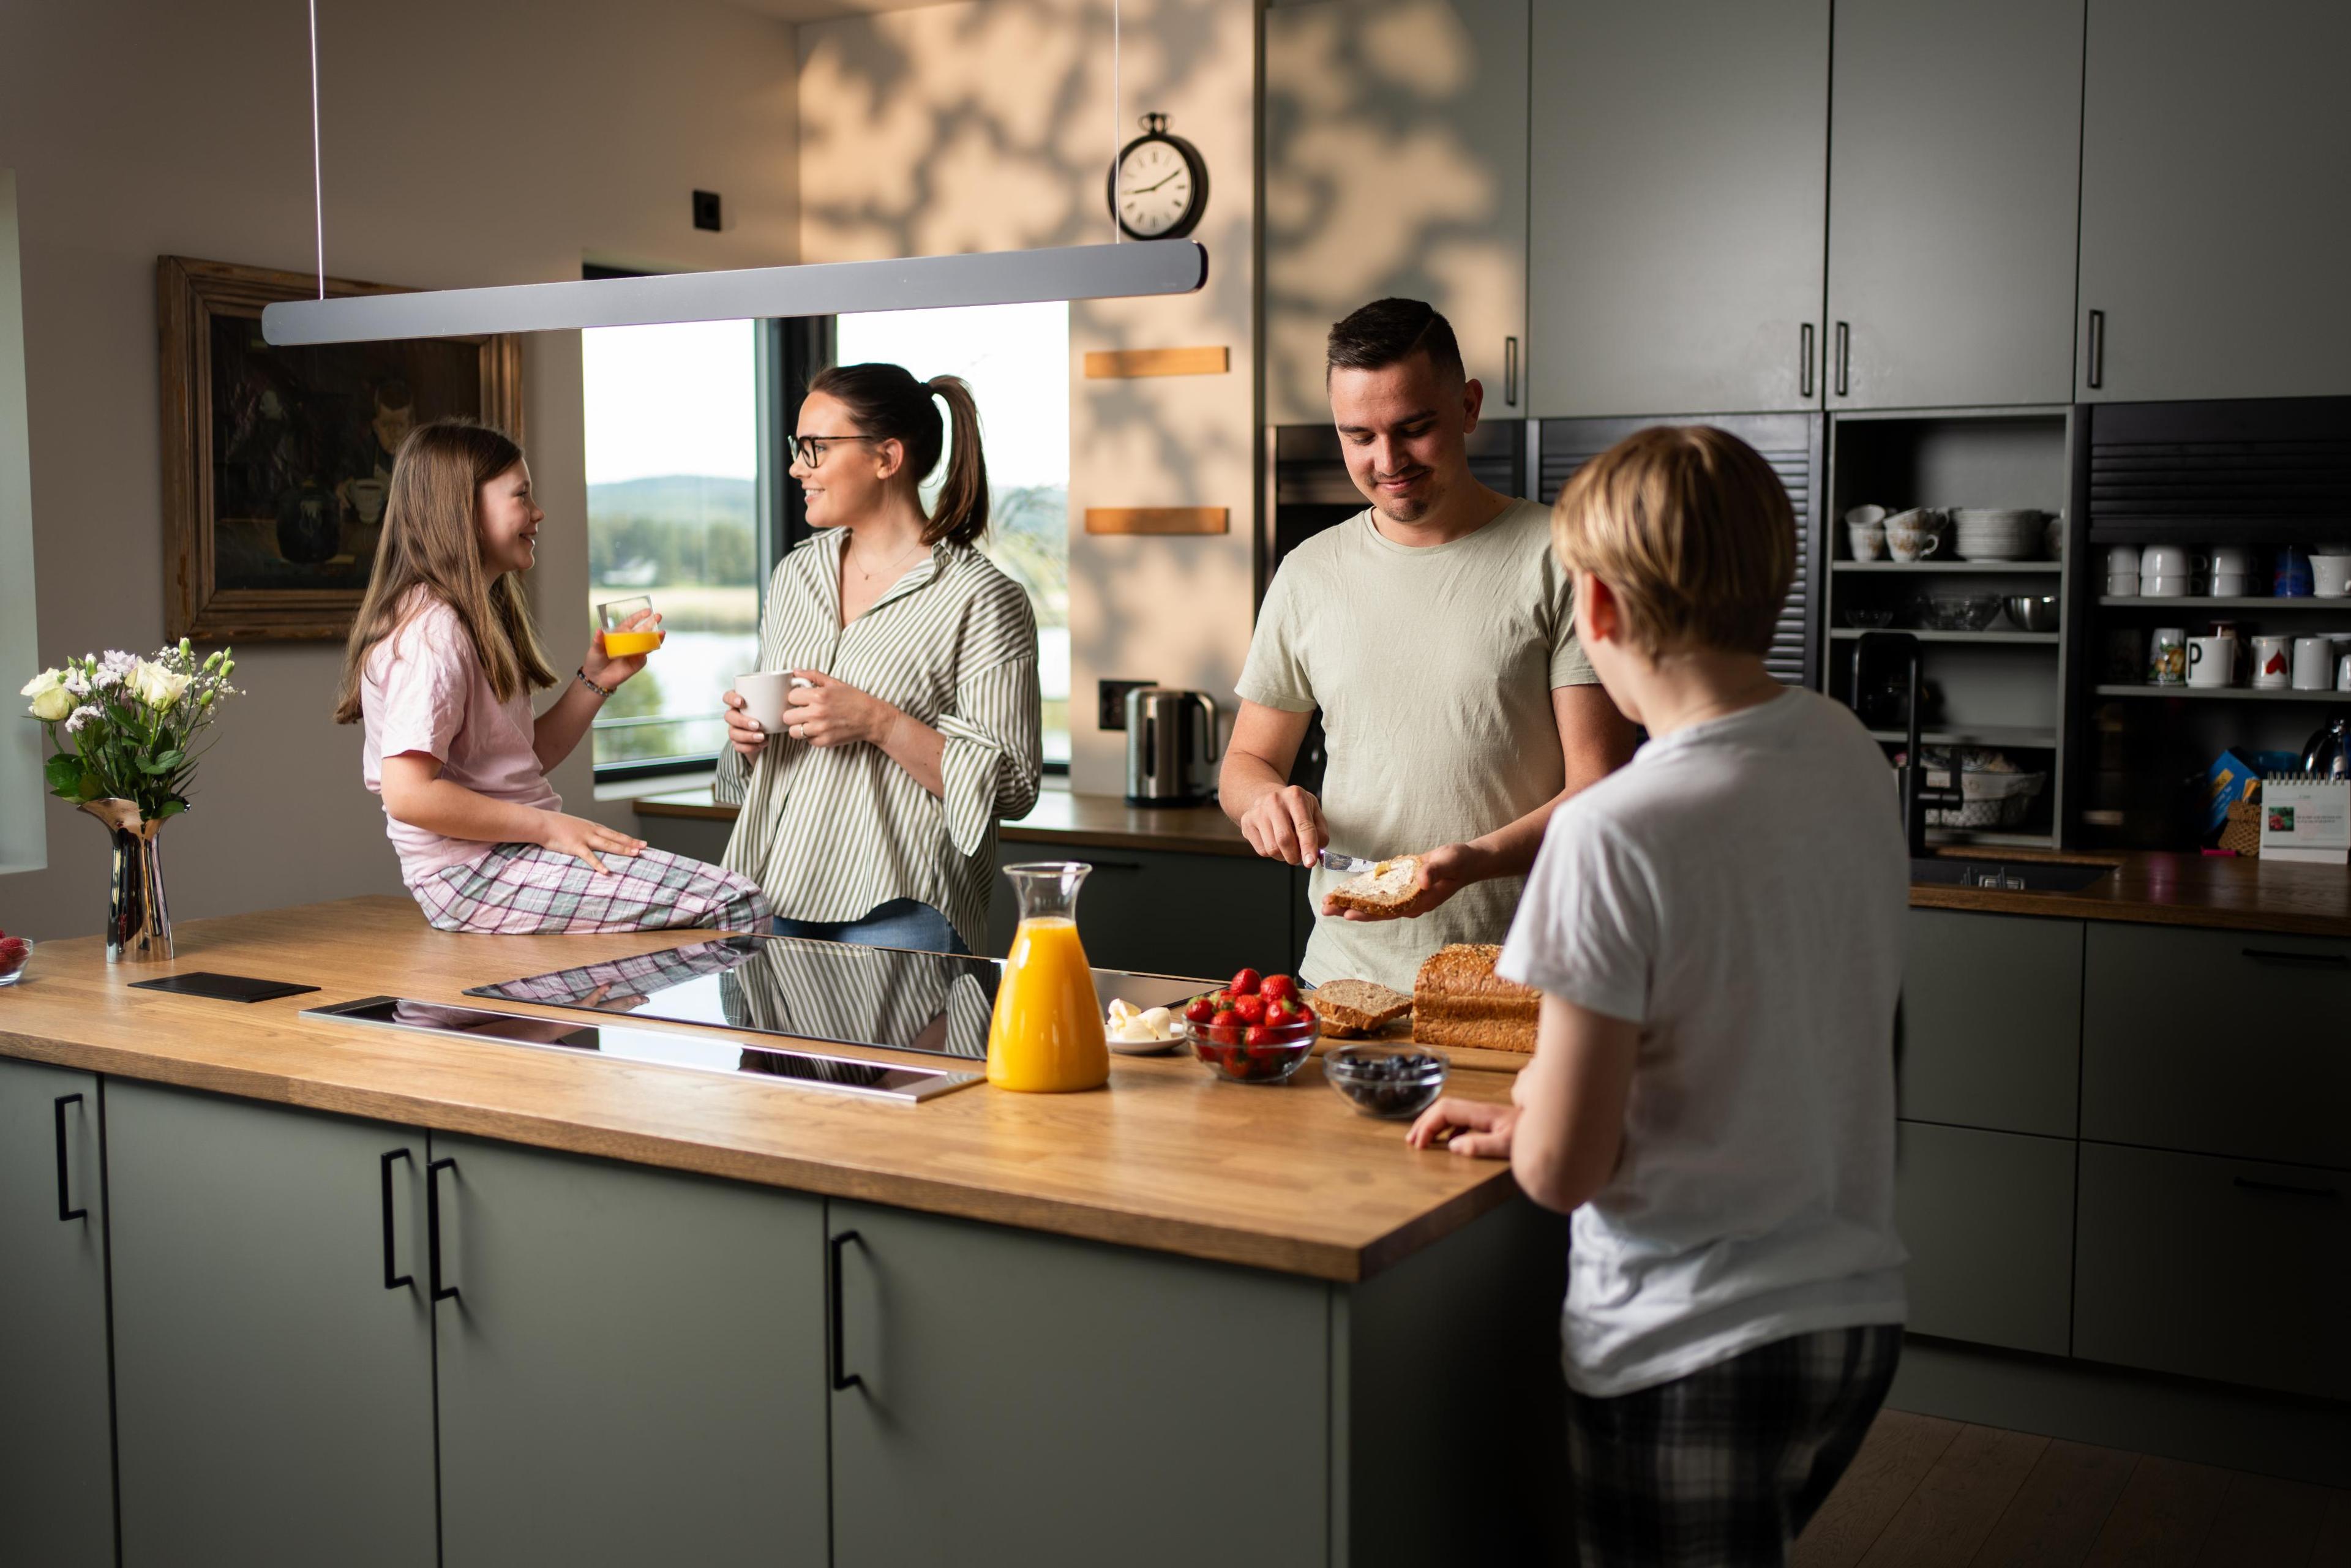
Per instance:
(361,1295)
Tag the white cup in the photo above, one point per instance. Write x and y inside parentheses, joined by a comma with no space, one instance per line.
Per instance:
(2121,561)
(1912,541)
(762,692)
(2343,673)
(2211,661)
(2313,664)
(2180,587)
(2122,587)
(2231,584)
(2330,576)
(1867,539)
(2166,656)
(2271,666)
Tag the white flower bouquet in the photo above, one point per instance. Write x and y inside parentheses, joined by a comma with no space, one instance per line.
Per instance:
(125,729)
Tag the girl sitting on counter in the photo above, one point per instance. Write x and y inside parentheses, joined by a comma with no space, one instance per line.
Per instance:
(440,667)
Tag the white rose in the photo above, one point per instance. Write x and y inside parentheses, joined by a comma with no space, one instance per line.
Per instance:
(156,686)
(51,703)
(41,683)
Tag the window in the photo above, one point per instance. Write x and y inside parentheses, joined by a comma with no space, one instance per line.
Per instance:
(673,446)
(1017,358)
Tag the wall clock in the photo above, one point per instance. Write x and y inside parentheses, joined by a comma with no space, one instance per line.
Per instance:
(1159,185)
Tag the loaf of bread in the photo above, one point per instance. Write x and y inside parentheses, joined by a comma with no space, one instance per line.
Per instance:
(1380,889)
(1459,1000)
(1352,1009)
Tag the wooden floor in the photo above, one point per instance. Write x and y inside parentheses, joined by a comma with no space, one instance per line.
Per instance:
(1929,1494)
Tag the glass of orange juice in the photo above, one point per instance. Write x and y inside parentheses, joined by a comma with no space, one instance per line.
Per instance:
(627,627)
(1047,1033)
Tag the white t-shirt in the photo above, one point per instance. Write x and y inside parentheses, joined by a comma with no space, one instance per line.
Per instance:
(1740,891)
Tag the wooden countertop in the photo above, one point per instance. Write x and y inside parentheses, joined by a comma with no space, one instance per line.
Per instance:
(1059,817)
(1167,1158)
(2152,889)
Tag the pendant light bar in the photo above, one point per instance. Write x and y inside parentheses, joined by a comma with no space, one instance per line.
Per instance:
(825,289)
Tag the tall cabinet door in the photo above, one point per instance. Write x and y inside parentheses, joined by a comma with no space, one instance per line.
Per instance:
(631,1371)
(1036,1402)
(1954,165)
(1395,165)
(274,1393)
(2216,143)
(57,1457)
(1678,186)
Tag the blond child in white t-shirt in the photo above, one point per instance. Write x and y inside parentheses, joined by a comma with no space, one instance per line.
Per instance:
(1717,931)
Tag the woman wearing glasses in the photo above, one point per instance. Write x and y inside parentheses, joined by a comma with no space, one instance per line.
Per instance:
(871,816)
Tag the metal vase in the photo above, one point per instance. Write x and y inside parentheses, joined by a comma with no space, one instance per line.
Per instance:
(138,921)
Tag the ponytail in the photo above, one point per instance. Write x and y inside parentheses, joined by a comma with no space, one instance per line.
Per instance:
(889,404)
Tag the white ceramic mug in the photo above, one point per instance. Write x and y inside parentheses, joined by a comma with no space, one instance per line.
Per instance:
(1867,539)
(2211,661)
(2273,663)
(2121,561)
(2330,576)
(2313,664)
(2166,656)
(1912,541)
(762,692)
(2343,673)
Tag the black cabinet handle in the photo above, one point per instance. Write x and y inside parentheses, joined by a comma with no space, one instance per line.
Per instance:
(1510,371)
(2296,960)
(1844,359)
(1804,360)
(841,1381)
(66,1211)
(2098,376)
(392,1282)
(2249,1185)
(433,1227)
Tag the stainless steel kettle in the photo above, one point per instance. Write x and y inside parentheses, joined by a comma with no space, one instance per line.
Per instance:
(1172,747)
(2327,753)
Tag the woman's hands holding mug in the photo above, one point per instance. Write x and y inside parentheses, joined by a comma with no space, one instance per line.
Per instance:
(819,710)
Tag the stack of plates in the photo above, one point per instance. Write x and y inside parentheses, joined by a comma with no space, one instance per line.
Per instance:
(1990,533)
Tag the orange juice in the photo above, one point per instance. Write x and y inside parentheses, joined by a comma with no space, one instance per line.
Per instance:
(622,644)
(1047,1034)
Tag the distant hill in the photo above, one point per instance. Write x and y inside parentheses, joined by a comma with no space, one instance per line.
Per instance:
(673,498)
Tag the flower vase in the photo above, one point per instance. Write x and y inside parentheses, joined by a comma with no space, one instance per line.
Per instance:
(138,921)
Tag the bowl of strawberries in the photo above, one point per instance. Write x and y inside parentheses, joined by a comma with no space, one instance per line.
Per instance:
(15,954)
(1256,1029)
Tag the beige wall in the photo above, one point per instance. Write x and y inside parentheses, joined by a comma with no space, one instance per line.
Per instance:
(496,142)
(987,126)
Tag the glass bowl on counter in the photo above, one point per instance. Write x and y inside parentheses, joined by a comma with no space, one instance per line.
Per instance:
(1957,612)
(1254,1053)
(16,954)
(1389,1081)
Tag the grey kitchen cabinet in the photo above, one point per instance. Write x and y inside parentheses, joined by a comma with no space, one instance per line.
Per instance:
(1395,165)
(273,1390)
(1954,175)
(1029,1399)
(1989,1221)
(2212,1267)
(1678,197)
(2218,1042)
(1164,912)
(2215,143)
(57,1459)
(632,1369)
(1991,1013)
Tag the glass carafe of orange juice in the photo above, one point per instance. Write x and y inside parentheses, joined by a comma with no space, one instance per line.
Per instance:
(1046,1035)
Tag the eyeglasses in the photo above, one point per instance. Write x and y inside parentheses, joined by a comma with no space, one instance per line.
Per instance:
(810,450)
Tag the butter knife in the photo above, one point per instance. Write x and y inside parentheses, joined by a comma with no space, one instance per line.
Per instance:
(1345,865)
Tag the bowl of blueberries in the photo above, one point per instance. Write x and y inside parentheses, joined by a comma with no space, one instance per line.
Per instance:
(1389,1081)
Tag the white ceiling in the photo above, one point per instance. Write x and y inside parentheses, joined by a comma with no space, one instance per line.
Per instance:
(823,10)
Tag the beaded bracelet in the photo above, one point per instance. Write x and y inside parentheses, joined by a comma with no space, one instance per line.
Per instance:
(599,690)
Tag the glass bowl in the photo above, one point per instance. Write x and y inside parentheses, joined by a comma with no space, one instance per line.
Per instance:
(1959,613)
(14,963)
(1869,618)
(1390,1080)
(1254,1053)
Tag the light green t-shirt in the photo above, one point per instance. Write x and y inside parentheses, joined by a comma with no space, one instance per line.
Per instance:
(1434,669)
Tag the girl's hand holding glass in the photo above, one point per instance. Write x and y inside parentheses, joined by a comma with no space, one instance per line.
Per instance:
(628,630)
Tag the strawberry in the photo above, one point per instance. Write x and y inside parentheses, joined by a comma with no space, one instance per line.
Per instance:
(1279,987)
(1245,984)
(13,947)
(1225,1033)
(1259,1035)
(1202,1010)
(1250,1009)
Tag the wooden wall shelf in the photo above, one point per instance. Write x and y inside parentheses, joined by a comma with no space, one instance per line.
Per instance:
(1158,519)
(1121,363)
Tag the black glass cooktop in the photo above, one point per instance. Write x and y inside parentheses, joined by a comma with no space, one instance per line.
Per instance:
(933,1002)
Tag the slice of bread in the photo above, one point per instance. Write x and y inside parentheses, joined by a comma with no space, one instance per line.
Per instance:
(1459,1000)
(1382,888)
(1350,1009)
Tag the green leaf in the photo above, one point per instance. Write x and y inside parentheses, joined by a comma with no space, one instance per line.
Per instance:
(169,809)
(64,772)
(91,788)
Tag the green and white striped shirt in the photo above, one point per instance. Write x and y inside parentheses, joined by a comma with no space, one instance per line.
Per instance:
(831,831)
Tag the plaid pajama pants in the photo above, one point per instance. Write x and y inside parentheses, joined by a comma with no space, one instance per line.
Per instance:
(525,890)
(1724,1469)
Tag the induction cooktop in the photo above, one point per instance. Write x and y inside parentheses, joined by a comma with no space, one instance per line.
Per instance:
(936,1003)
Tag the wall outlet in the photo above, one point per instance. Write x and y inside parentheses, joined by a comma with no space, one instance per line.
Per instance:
(1113,701)
(706,210)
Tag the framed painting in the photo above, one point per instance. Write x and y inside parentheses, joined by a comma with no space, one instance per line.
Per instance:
(277,461)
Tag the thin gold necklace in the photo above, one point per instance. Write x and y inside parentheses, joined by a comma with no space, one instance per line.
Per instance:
(870,575)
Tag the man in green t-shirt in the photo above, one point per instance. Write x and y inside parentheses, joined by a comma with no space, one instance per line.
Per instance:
(1435,632)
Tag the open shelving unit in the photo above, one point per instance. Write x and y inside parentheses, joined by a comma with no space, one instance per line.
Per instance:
(2000,688)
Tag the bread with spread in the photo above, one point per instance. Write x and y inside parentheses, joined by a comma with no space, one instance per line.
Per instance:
(1352,1009)
(1459,1000)
(1381,889)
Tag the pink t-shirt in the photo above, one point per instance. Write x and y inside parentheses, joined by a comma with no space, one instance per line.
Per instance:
(422,688)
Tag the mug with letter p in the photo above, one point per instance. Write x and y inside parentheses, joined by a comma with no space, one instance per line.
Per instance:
(2211,661)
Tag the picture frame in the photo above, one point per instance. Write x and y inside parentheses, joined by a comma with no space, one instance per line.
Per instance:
(276,460)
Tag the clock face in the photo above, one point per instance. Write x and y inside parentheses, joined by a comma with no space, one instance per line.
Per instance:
(1153,190)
